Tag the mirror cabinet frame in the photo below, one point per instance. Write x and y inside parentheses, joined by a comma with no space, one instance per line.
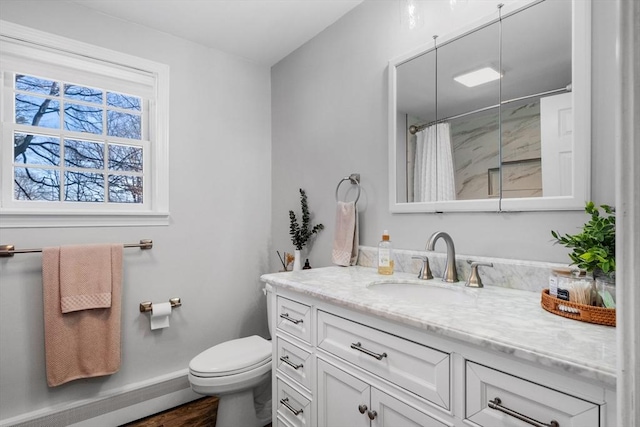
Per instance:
(581,108)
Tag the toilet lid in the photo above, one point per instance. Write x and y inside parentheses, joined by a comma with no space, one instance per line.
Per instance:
(232,357)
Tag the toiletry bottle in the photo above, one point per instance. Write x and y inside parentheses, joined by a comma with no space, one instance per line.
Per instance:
(562,286)
(385,255)
(558,280)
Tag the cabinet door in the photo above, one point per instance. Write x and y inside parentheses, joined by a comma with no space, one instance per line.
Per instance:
(391,412)
(340,398)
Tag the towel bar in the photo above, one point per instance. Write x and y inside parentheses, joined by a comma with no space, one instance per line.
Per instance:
(10,250)
(148,305)
(355,180)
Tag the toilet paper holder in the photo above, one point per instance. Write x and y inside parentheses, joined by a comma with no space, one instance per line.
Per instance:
(148,305)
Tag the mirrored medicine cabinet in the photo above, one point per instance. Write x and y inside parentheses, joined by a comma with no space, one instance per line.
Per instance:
(496,116)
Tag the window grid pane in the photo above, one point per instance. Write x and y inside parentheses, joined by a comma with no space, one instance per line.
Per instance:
(125,189)
(83,154)
(83,187)
(37,85)
(123,125)
(82,93)
(83,118)
(125,158)
(124,102)
(37,111)
(37,184)
(36,149)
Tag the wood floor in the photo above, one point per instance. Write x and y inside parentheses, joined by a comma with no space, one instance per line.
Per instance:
(199,413)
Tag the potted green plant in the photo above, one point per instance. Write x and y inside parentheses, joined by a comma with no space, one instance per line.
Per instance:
(594,249)
(301,233)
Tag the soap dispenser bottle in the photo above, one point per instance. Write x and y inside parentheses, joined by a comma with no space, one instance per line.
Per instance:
(385,255)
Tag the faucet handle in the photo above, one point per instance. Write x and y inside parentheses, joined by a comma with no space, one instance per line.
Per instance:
(474,280)
(425,270)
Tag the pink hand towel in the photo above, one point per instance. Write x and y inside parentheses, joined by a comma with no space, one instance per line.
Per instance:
(345,237)
(85,343)
(85,277)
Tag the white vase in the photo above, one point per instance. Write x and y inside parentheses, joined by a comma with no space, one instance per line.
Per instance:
(297,263)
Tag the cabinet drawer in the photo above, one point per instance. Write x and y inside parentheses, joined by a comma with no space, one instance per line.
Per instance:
(414,367)
(294,362)
(294,318)
(293,407)
(516,397)
(279,422)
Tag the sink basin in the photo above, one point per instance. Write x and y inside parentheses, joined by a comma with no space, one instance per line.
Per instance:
(423,292)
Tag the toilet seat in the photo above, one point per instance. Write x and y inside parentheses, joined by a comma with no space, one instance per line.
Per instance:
(232,358)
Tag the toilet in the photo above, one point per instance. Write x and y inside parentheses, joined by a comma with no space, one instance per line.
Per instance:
(239,373)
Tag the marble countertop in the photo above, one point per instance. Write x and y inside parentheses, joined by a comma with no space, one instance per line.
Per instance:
(506,320)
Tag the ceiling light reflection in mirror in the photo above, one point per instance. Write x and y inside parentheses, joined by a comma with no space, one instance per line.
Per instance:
(478,77)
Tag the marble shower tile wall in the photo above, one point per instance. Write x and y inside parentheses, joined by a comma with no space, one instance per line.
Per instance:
(475,145)
(475,141)
(507,273)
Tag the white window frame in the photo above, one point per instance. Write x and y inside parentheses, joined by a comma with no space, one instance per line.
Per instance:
(56,51)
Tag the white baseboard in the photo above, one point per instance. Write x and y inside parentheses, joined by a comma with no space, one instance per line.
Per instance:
(141,410)
(115,407)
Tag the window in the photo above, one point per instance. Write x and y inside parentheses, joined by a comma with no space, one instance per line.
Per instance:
(84,138)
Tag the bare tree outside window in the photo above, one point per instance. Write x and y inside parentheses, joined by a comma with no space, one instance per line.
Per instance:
(52,166)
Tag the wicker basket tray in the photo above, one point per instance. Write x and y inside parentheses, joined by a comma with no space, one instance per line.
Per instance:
(572,310)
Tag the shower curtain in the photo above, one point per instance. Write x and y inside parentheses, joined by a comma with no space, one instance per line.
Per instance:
(433,177)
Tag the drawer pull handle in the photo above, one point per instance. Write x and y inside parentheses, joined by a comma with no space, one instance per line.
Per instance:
(372,415)
(358,346)
(362,408)
(285,316)
(287,405)
(496,404)
(286,360)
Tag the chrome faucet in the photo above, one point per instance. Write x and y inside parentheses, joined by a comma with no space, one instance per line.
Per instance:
(450,273)
(474,280)
(425,270)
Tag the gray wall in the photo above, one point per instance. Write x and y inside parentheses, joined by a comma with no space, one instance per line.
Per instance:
(212,253)
(329,108)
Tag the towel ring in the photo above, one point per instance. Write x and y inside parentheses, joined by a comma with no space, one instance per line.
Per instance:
(355,180)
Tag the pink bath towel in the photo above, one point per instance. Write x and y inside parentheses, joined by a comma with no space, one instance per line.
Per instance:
(345,237)
(85,277)
(84,343)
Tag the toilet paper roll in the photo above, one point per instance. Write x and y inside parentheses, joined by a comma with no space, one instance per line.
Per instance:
(160,312)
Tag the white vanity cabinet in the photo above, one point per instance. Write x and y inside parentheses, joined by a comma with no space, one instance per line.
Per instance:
(335,366)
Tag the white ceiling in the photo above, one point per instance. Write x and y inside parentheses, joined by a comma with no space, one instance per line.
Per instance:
(264,31)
